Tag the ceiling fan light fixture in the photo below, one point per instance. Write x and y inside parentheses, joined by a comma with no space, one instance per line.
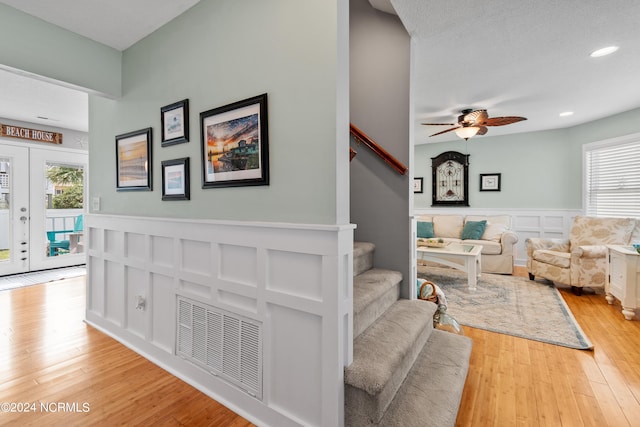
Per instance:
(604,51)
(467,132)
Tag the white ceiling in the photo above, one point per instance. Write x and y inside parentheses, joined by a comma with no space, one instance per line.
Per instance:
(115,23)
(517,58)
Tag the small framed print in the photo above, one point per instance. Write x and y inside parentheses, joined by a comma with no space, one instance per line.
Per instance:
(175,179)
(133,161)
(235,144)
(417,185)
(175,123)
(490,182)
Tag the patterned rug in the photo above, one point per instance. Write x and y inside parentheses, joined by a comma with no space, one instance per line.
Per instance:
(38,277)
(509,305)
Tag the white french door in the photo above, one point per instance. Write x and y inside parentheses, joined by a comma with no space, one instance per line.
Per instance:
(41,213)
(14,209)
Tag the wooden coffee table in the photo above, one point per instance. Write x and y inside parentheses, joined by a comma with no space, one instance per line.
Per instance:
(459,256)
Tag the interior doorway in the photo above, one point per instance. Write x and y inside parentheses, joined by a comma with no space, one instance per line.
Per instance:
(42,193)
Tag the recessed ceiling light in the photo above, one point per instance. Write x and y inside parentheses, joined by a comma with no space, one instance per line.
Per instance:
(566,113)
(604,51)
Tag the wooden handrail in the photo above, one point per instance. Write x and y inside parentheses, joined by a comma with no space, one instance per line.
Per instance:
(381,152)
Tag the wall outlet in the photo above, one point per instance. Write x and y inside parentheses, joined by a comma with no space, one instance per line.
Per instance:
(140,302)
(95,204)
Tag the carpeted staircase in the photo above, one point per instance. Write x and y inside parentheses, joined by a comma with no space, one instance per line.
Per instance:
(404,372)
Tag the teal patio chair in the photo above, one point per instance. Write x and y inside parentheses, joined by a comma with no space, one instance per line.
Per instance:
(57,247)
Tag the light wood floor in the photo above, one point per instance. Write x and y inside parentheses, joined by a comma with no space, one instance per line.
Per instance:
(48,355)
(515,381)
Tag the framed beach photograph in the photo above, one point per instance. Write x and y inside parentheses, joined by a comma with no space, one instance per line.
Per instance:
(133,161)
(417,185)
(175,123)
(175,179)
(490,182)
(235,144)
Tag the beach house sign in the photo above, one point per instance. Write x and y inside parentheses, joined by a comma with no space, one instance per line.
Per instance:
(30,134)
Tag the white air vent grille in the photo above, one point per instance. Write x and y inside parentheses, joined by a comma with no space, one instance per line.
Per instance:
(224,343)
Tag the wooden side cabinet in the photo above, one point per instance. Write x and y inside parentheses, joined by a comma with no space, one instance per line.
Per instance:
(623,278)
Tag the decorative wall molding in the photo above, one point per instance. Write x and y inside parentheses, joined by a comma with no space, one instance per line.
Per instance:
(294,279)
(526,223)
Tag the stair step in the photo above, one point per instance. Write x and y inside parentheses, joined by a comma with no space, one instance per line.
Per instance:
(431,394)
(362,257)
(382,357)
(374,291)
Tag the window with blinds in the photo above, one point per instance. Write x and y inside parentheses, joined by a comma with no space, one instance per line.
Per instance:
(612,178)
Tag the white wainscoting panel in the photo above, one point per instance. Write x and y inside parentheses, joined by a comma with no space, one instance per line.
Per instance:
(295,280)
(525,223)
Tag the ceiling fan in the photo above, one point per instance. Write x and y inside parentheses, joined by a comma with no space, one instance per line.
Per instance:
(475,122)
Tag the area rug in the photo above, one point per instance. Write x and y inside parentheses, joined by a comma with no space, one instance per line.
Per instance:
(37,277)
(509,305)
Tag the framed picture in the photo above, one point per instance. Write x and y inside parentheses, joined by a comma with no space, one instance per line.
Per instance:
(175,123)
(490,182)
(235,144)
(450,179)
(175,179)
(133,161)
(417,185)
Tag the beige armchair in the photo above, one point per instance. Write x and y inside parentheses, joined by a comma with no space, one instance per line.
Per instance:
(580,261)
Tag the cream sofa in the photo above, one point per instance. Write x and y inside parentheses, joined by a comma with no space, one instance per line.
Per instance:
(580,261)
(497,240)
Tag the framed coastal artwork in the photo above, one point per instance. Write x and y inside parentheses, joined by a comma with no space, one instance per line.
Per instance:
(133,161)
(175,179)
(235,144)
(175,123)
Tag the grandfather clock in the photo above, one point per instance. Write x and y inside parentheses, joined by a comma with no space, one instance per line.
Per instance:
(450,181)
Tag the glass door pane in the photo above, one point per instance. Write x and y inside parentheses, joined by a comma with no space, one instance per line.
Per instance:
(64,200)
(57,184)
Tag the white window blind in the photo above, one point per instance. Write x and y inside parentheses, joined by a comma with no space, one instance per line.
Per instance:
(612,179)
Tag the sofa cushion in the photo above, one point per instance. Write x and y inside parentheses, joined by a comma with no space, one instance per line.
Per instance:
(425,230)
(493,232)
(559,259)
(488,248)
(492,219)
(601,231)
(448,225)
(473,230)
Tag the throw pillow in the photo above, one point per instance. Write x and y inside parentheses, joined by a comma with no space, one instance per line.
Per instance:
(425,230)
(473,230)
(493,232)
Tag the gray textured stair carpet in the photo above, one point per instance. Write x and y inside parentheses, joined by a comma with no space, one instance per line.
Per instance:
(374,291)
(382,356)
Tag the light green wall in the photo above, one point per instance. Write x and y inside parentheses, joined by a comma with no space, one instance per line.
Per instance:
(217,53)
(540,170)
(32,45)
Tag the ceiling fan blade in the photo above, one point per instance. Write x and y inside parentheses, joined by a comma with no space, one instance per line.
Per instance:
(445,131)
(482,130)
(439,124)
(476,117)
(501,121)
